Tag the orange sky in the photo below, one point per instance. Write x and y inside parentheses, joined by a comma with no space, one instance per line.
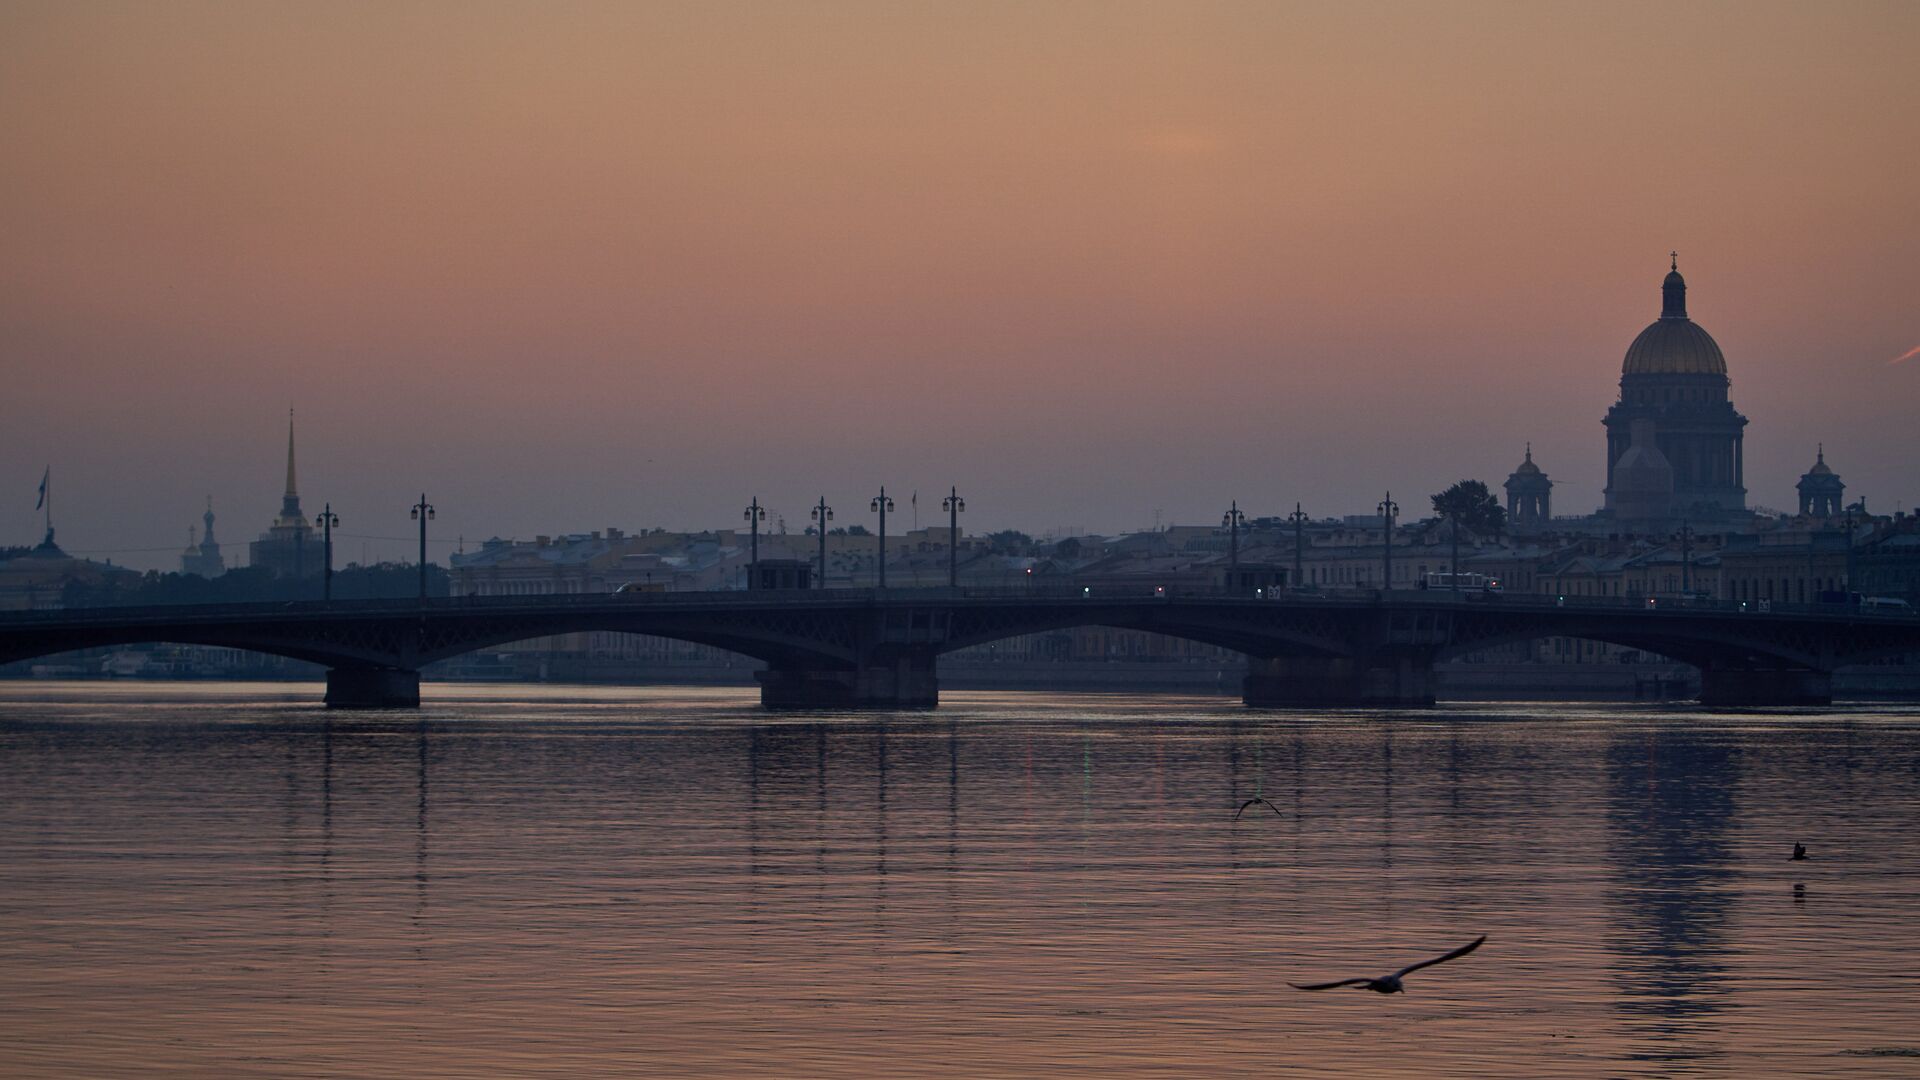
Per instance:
(569,266)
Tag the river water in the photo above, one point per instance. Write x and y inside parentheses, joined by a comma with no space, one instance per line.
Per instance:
(227,880)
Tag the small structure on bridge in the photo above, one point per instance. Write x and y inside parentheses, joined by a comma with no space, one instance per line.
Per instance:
(781,574)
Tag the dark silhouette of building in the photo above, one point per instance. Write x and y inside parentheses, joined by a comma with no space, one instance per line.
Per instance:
(203,557)
(1821,489)
(1674,379)
(1529,496)
(288,548)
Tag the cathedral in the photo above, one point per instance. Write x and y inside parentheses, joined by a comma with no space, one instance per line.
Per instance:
(1675,443)
(1674,440)
(203,556)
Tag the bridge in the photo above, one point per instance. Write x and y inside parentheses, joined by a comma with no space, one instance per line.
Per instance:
(877,648)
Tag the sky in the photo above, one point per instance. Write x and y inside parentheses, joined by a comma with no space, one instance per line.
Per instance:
(570,266)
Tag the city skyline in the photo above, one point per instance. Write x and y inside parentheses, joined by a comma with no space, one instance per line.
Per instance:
(1088,263)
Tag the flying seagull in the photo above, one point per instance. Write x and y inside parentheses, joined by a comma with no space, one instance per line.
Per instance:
(1390,984)
(1250,802)
(1799,853)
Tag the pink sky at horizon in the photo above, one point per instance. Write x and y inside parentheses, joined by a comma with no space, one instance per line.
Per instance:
(571,266)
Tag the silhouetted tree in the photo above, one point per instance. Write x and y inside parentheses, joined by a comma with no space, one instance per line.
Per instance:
(1471,505)
(1009,542)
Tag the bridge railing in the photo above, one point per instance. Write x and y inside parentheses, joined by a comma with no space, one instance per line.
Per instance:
(1051,591)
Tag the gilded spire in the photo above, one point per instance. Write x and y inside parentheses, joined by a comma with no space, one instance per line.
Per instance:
(290,514)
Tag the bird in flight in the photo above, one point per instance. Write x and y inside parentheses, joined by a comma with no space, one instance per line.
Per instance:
(1799,853)
(1390,984)
(1250,802)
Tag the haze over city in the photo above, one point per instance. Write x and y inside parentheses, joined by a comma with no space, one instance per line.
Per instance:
(1097,264)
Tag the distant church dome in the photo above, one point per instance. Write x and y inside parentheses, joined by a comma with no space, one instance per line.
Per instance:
(1674,344)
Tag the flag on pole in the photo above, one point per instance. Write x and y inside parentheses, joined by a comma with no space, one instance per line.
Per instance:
(44,477)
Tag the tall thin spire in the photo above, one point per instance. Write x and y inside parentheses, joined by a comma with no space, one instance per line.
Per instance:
(290,501)
(292,491)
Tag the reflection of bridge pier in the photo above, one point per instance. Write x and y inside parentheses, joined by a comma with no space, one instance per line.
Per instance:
(1731,684)
(895,680)
(372,688)
(1377,681)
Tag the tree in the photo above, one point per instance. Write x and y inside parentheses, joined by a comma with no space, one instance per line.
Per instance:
(1009,542)
(1472,506)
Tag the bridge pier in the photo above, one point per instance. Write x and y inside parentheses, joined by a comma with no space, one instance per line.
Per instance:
(1733,686)
(905,681)
(1310,682)
(372,688)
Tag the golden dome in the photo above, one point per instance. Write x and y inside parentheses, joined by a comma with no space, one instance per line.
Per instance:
(1674,347)
(1674,344)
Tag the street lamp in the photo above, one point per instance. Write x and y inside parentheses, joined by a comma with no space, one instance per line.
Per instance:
(1453,565)
(821,515)
(423,513)
(328,519)
(1232,519)
(881,504)
(1685,535)
(1388,511)
(1850,510)
(953,504)
(1299,520)
(755,515)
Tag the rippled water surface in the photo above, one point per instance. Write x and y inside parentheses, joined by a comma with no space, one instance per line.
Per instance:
(230,881)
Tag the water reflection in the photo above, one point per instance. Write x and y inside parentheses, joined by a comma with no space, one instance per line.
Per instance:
(1671,809)
(1019,886)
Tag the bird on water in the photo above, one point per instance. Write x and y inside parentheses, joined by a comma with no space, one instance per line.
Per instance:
(1390,984)
(1799,853)
(1250,802)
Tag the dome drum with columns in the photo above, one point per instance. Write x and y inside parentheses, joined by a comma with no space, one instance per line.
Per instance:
(1529,496)
(1822,494)
(1674,379)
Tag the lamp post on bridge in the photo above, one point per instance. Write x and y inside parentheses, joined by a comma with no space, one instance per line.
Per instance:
(1850,511)
(953,504)
(1388,511)
(328,519)
(881,504)
(1232,519)
(1453,560)
(755,515)
(423,513)
(1685,535)
(1299,520)
(822,514)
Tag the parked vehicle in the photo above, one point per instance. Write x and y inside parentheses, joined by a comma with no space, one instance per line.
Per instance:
(1444,582)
